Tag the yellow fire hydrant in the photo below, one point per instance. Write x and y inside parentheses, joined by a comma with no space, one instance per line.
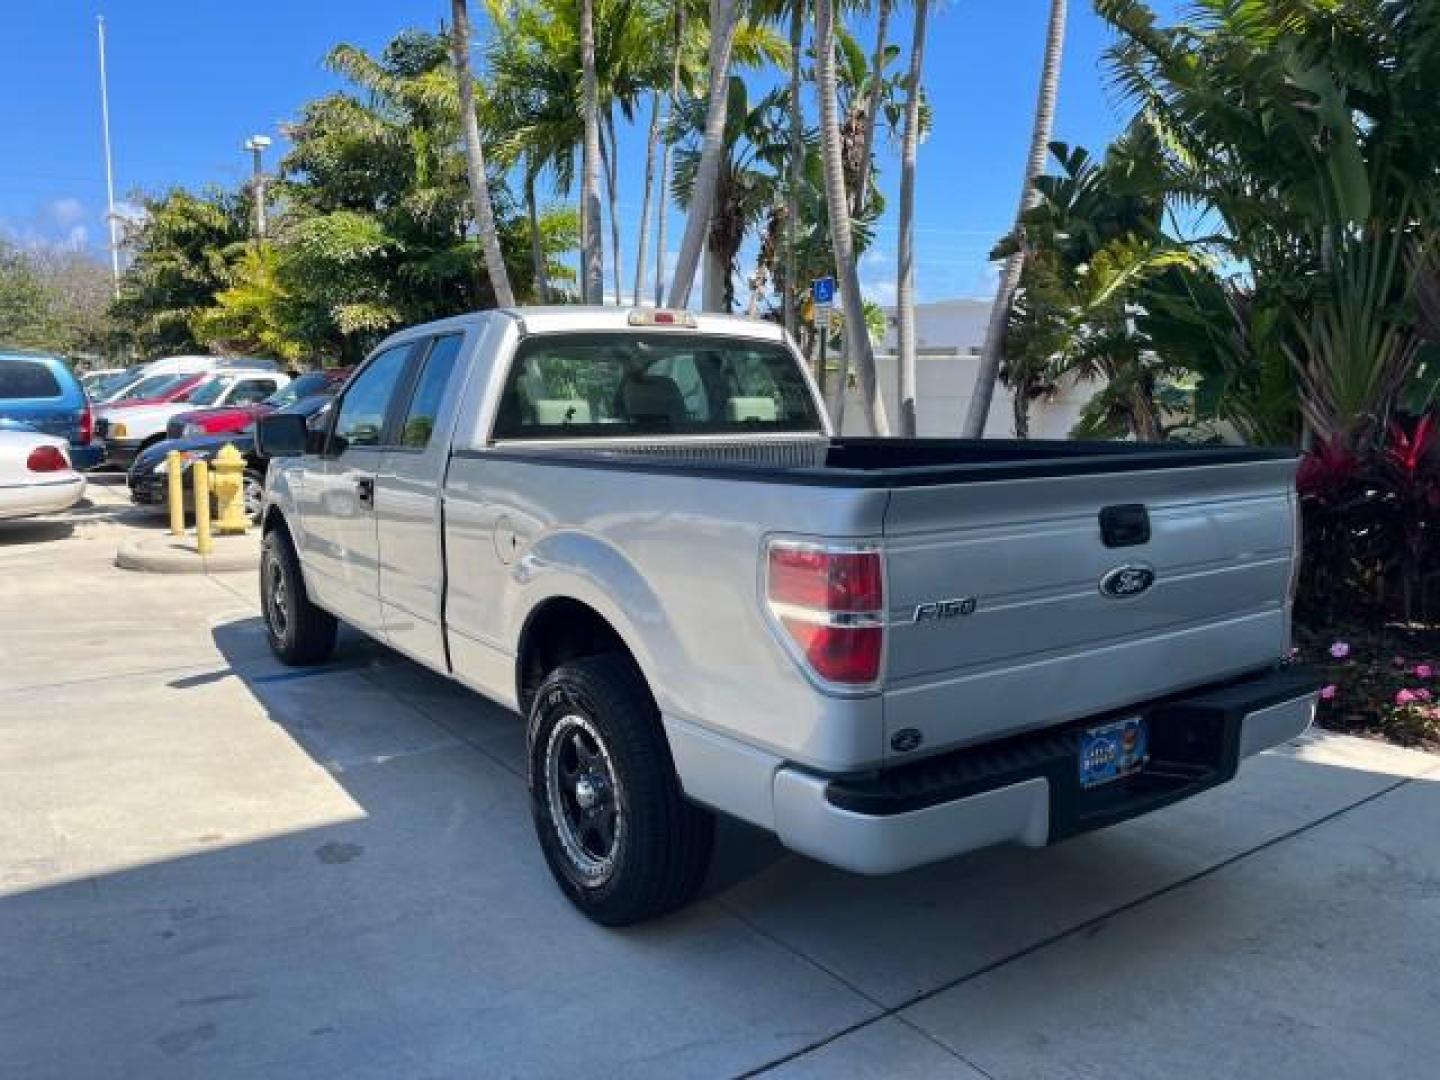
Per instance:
(230,491)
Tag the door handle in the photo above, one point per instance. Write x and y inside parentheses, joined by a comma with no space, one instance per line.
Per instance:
(365,492)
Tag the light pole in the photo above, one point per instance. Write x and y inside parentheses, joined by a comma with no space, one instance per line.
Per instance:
(257,145)
(110,219)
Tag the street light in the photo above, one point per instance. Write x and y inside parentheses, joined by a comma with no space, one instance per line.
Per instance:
(257,145)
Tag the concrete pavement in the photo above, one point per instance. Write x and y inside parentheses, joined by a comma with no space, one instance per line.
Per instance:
(214,866)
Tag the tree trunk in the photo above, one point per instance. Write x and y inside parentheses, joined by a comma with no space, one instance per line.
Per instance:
(992,353)
(475,157)
(861,195)
(592,260)
(905,289)
(712,282)
(724,15)
(537,247)
(642,252)
(608,155)
(662,208)
(796,165)
(857,338)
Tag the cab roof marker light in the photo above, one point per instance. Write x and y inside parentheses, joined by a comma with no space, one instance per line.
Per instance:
(662,317)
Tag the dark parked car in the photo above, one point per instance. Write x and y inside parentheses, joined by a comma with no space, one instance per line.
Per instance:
(43,393)
(149,482)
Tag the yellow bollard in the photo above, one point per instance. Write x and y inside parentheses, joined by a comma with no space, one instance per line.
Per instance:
(230,492)
(203,543)
(175,468)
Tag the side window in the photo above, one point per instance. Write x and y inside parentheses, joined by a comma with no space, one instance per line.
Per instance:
(21,379)
(367,400)
(429,390)
(251,391)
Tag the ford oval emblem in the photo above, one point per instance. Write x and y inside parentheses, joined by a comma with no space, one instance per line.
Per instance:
(1126,581)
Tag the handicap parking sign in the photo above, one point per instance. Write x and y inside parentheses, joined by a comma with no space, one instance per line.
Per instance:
(823,289)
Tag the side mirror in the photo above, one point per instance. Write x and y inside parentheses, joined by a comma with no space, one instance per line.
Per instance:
(282,435)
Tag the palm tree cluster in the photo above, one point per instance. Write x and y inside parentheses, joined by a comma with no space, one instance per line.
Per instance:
(1259,253)
(795,178)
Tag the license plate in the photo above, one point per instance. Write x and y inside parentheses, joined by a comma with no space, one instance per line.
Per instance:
(1112,751)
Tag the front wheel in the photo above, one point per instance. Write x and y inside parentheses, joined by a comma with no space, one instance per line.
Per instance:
(299,632)
(619,836)
(253,492)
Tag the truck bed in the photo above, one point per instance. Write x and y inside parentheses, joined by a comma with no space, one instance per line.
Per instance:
(883,463)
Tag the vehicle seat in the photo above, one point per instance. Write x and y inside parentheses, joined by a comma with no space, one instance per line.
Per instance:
(651,399)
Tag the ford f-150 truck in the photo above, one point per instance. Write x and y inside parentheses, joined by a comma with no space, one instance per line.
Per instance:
(639,530)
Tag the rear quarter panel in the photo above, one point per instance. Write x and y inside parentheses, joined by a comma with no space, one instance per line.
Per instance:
(673,562)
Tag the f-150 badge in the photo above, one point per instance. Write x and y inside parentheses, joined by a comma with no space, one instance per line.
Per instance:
(944,609)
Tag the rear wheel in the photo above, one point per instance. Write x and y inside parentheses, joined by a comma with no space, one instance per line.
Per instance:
(299,632)
(619,836)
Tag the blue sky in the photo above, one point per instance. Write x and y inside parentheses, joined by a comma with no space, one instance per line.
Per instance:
(190,80)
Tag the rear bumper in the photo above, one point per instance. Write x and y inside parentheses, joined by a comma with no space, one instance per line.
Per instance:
(122,453)
(1026,790)
(47,498)
(84,458)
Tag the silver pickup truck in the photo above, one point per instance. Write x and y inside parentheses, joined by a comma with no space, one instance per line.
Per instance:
(639,530)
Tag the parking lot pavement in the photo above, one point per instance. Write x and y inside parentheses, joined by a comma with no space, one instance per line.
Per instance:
(214,866)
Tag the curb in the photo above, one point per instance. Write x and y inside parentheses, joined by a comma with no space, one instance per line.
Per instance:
(177,555)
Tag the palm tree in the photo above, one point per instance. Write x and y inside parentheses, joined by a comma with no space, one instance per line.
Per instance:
(724,18)
(857,340)
(796,166)
(475,157)
(592,272)
(861,195)
(662,202)
(905,288)
(755,145)
(990,354)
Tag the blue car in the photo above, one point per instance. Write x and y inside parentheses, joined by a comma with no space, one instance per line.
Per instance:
(43,393)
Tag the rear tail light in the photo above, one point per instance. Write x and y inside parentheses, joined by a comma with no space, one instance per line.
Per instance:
(47,459)
(830,602)
(87,425)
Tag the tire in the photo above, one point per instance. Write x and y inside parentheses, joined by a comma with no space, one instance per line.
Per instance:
(253,490)
(595,741)
(299,632)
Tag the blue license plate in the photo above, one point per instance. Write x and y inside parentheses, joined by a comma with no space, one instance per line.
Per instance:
(1112,751)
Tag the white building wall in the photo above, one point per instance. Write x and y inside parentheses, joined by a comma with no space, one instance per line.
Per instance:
(950,335)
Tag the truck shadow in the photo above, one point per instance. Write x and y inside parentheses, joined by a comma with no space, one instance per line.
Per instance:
(395,705)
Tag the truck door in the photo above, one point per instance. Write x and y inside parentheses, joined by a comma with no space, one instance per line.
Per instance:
(407,506)
(338,508)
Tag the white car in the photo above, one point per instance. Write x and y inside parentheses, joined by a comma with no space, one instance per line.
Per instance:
(130,430)
(35,474)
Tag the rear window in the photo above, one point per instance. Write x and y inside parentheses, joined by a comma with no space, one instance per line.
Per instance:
(597,385)
(21,379)
(150,386)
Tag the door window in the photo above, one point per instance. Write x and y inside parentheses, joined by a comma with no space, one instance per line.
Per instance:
(429,389)
(366,403)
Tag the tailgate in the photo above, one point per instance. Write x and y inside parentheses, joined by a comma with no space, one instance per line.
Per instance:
(1043,641)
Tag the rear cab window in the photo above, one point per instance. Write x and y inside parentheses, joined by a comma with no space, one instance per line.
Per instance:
(27,380)
(639,384)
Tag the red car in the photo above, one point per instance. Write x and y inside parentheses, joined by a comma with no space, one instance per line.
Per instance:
(238,417)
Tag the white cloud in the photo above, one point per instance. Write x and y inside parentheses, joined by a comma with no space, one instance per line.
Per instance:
(66,212)
(883,292)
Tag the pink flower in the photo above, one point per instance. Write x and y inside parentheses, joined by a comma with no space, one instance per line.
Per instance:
(1340,650)
(1405,697)
(1424,671)
(1329,692)
(1422,694)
